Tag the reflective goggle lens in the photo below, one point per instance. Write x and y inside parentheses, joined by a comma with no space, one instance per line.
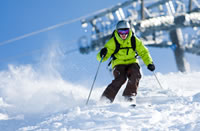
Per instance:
(122,32)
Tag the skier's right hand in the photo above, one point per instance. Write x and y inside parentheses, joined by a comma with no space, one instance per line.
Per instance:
(103,52)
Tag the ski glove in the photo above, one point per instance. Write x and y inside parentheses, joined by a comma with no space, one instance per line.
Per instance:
(103,52)
(151,67)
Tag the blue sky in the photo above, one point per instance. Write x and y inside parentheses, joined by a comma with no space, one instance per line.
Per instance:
(26,16)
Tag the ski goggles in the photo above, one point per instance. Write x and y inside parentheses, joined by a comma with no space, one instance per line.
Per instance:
(123,32)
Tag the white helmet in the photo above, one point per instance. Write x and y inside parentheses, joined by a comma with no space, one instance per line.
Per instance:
(123,24)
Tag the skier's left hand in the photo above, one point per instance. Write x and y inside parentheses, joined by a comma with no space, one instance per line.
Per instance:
(151,67)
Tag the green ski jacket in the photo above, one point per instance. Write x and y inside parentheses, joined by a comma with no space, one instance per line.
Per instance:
(127,55)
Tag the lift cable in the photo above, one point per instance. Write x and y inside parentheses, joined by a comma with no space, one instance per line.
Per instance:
(48,28)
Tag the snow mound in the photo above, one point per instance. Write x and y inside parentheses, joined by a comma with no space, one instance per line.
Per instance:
(32,99)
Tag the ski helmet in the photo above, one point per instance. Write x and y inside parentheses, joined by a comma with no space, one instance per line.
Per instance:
(123,24)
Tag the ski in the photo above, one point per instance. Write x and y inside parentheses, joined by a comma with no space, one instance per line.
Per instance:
(133,105)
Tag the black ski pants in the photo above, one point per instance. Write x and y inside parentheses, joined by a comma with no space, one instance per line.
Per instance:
(121,74)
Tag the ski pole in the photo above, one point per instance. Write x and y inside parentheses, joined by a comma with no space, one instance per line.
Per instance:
(157,79)
(94,80)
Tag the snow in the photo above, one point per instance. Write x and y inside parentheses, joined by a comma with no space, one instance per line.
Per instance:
(31,100)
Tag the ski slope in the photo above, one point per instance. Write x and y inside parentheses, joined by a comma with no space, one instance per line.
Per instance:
(31,100)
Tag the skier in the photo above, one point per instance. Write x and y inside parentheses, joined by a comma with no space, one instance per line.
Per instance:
(124,63)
